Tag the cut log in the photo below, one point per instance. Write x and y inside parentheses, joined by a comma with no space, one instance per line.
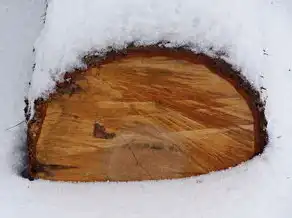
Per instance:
(146,114)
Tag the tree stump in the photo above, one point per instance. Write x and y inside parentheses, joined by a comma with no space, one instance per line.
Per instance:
(145,114)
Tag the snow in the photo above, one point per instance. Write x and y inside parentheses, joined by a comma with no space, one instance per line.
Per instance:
(259,188)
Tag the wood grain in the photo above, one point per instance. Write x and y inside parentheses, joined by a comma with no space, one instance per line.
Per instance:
(141,118)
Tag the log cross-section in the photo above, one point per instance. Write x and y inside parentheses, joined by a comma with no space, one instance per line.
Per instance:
(146,114)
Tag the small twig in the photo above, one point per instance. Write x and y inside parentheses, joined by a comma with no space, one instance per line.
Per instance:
(265,52)
(15,125)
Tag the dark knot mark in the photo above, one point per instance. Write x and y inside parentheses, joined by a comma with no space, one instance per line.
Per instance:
(100,132)
(47,169)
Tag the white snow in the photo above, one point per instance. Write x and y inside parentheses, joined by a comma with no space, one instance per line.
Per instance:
(19,25)
(260,188)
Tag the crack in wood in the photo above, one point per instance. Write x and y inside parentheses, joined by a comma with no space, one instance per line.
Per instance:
(139,164)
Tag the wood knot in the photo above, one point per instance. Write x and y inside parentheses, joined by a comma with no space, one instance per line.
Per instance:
(99,131)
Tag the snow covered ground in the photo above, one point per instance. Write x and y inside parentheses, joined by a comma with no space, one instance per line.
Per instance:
(256,34)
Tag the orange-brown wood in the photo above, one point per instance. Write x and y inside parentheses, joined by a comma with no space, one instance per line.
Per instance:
(143,117)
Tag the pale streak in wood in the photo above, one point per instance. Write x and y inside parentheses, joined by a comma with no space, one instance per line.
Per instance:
(172,119)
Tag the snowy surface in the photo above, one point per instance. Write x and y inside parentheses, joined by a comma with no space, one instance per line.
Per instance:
(260,188)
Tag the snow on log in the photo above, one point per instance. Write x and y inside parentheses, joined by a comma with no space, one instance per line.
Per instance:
(146,113)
